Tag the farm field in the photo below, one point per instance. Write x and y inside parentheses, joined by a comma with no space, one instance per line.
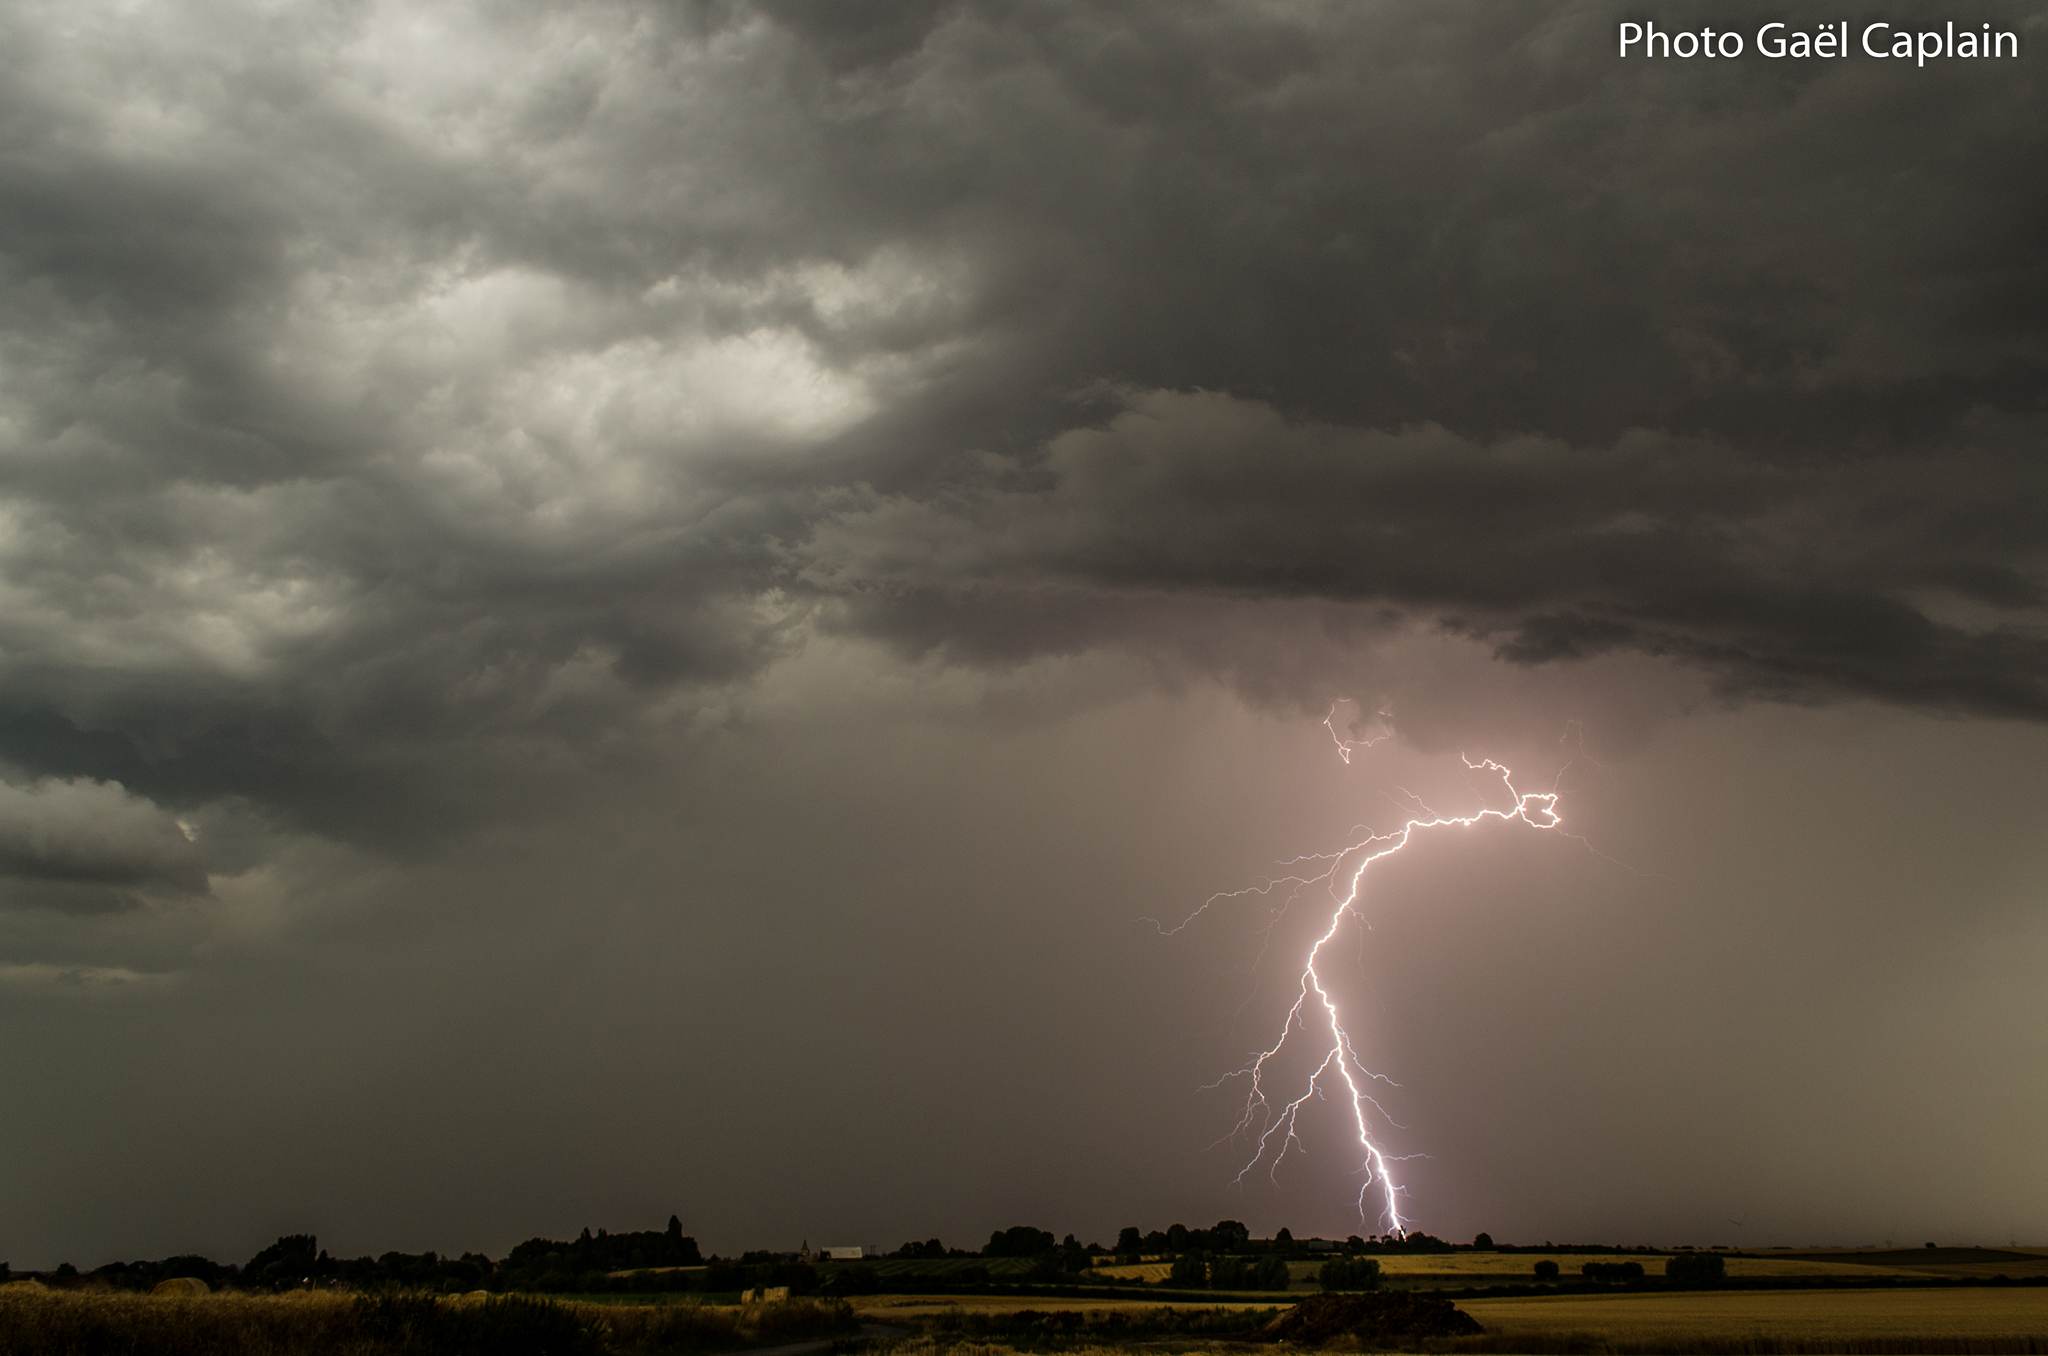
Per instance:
(1957,1262)
(882,1308)
(1895,1316)
(1459,1268)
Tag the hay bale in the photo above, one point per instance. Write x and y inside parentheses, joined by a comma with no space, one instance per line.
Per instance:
(181,1286)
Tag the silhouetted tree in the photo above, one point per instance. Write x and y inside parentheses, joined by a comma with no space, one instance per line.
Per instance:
(1229,1235)
(1483,1242)
(284,1263)
(1129,1242)
(1284,1238)
(1696,1269)
(1349,1273)
(1546,1270)
(1019,1240)
(1613,1271)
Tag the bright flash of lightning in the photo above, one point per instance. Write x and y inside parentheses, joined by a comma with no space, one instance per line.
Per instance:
(1315,1013)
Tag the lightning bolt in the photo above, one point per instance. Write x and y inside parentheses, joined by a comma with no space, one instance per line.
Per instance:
(1315,1013)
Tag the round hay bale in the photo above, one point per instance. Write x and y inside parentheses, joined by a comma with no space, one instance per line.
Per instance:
(181,1286)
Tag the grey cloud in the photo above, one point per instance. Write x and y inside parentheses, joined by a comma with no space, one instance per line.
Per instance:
(1790,581)
(86,846)
(620,521)
(392,409)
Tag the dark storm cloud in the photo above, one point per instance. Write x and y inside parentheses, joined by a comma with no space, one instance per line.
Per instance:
(395,406)
(1788,580)
(626,555)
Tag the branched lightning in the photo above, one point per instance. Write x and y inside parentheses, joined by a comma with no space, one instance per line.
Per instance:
(1346,747)
(1273,1125)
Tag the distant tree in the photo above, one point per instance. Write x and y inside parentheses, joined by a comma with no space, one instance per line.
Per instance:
(1284,1238)
(1177,1238)
(1349,1273)
(1614,1271)
(1229,1235)
(284,1263)
(1696,1269)
(1270,1272)
(1129,1242)
(1155,1241)
(1417,1241)
(1190,1270)
(1228,1273)
(1483,1242)
(1354,1243)
(1019,1240)
(1546,1270)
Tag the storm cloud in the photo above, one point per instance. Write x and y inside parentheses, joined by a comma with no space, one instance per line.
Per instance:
(416,420)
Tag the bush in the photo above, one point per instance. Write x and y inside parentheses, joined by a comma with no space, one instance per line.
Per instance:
(323,1323)
(1546,1270)
(421,1323)
(1349,1273)
(1696,1269)
(1395,1319)
(1612,1271)
(1038,1330)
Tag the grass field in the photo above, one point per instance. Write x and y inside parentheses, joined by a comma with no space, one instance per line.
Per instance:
(1770,1319)
(998,1268)
(883,1308)
(1479,1267)
(1957,1262)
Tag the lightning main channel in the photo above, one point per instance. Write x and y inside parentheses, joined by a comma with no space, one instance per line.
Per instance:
(1315,1012)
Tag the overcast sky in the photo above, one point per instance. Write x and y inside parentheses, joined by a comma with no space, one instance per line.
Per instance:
(624,609)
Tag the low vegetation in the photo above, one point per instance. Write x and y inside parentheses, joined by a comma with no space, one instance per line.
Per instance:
(40,1322)
(1097,1326)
